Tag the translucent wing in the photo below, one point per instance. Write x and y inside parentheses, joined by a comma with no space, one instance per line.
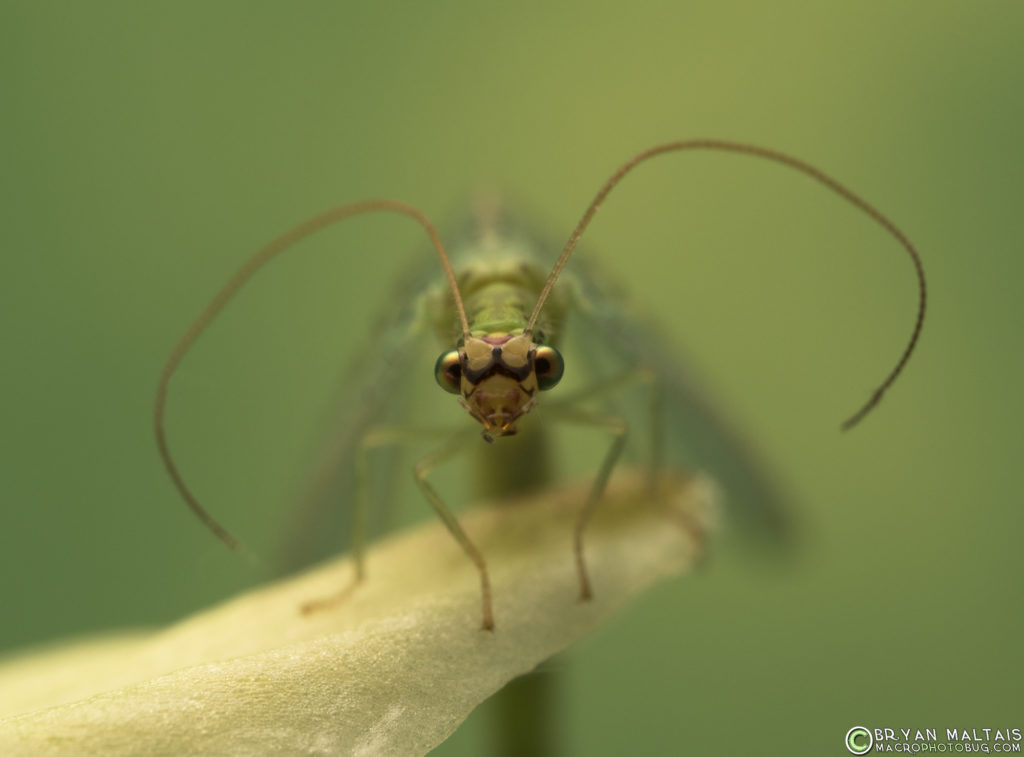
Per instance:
(697,433)
(370,391)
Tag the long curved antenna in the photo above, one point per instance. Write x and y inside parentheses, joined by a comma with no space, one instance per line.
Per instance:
(778,157)
(257,261)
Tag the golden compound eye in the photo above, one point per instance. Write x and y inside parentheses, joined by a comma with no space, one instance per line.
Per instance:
(448,371)
(549,366)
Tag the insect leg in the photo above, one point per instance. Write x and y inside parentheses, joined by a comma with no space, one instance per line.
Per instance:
(374,438)
(656,414)
(566,409)
(619,429)
(422,469)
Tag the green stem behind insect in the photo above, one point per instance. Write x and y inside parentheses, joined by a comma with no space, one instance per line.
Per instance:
(524,715)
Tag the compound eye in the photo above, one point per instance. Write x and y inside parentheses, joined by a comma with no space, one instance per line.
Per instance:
(549,366)
(448,371)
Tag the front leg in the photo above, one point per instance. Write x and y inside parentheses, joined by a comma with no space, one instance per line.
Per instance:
(619,430)
(375,437)
(421,471)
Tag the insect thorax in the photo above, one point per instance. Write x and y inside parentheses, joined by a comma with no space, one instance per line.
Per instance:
(499,284)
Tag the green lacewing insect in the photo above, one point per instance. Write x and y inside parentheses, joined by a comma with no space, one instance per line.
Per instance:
(501,325)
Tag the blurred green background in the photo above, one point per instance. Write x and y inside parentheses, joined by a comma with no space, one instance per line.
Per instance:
(148,148)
